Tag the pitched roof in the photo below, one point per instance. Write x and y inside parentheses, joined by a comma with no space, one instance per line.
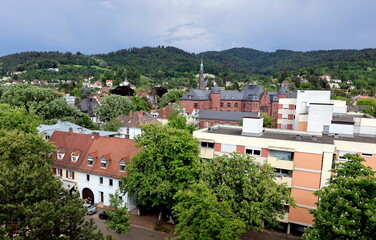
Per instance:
(136,119)
(112,149)
(224,115)
(166,111)
(87,106)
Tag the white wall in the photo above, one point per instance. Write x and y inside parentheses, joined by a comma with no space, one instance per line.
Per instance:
(307,97)
(95,187)
(132,132)
(341,129)
(318,116)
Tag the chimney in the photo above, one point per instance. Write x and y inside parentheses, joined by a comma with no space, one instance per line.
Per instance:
(130,113)
(70,130)
(252,125)
(141,113)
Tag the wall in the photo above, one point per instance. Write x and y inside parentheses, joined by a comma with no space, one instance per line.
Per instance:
(318,116)
(132,132)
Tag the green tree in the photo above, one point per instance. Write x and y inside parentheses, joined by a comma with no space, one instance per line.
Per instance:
(32,200)
(171,97)
(178,121)
(118,218)
(267,120)
(248,187)
(168,163)
(18,119)
(347,206)
(371,106)
(113,106)
(141,103)
(113,125)
(200,215)
(45,103)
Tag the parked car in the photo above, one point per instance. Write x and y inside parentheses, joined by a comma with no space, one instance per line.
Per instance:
(103,215)
(90,209)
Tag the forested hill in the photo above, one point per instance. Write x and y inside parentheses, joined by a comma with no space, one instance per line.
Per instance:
(151,60)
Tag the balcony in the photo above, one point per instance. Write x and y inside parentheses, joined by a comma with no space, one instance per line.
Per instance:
(280,179)
(285,218)
(283,163)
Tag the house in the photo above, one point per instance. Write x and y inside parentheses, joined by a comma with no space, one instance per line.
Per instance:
(164,113)
(48,130)
(131,123)
(70,99)
(109,83)
(209,118)
(302,160)
(93,165)
(326,77)
(97,85)
(87,106)
(132,87)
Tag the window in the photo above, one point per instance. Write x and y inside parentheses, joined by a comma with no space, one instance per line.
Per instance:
(90,161)
(127,131)
(282,172)
(70,174)
(122,166)
(100,180)
(342,153)
(253,151)
(111,182)
(59,172)
(74,158)
(367,155)
(284,116)
(195,105)
(88,177)
(236,105)
(228,104)
(285,106)
(221,104)
(60,156)
(120,197)
(284,126)
(207,145)
(104,162)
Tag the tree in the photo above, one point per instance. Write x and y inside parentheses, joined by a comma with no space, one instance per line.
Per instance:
(160,91)
(200,215)
(123,91)
(45,103)
(171,97)
(168,163)
(178,121)
(371,106)
(118,218)
(267,120)
(113,106)
(141,103)
(18,119)
(347,206)
(32,200)
(113,125)
(248,187)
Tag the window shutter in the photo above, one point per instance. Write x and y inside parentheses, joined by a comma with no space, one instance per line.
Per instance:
(72,175)
(66,173)
(54,170)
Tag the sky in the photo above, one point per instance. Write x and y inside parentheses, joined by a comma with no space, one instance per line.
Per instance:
(102,26)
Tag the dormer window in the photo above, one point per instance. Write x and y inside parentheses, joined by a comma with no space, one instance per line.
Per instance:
(122,166)
(91,159)
(60,155)
(105,160)
(74,156)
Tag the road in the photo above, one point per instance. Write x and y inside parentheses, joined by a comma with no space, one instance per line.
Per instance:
(136,233)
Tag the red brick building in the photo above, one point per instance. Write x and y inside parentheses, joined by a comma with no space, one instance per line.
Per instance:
(252,98)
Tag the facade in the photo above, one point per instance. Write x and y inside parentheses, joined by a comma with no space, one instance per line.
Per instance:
(252,98)
(92,165)
(302,160)
(131,123)
(208,118)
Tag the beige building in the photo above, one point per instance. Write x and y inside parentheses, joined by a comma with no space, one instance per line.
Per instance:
(301,159)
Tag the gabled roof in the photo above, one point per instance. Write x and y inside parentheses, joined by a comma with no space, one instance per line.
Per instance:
(224,115)
(112,149)
(166,111)
(87,106)
(136,119)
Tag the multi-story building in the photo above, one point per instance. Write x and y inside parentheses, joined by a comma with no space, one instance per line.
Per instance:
(92,165)
(301,159)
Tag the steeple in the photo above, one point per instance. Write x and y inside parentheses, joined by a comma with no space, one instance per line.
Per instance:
(201,80)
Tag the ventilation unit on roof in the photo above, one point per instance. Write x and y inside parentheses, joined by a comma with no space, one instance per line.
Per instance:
(336,135)
(298,137)
(314,138)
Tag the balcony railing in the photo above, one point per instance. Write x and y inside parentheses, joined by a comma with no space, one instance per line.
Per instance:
(283,178)
(280,163)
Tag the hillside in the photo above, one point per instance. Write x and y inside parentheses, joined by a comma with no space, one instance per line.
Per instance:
(163,62)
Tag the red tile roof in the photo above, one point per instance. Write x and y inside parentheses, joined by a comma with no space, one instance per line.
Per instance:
(136,119)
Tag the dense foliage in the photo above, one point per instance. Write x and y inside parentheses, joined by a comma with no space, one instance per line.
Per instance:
(347,206)
(113,106)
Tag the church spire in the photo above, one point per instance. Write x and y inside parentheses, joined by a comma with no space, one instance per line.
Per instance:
(201,80)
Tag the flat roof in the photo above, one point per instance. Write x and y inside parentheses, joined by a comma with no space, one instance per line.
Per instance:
(288,135)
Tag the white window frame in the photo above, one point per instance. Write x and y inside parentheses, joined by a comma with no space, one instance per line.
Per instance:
(60,156)
(122,164)
(103,161)
(59,172)
(285,106)
(285,116)
(90,159)
(252,151)
(70,174)
(367,155)
(74,158)
(341,153)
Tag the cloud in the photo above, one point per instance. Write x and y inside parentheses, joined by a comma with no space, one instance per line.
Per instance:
(94,26)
